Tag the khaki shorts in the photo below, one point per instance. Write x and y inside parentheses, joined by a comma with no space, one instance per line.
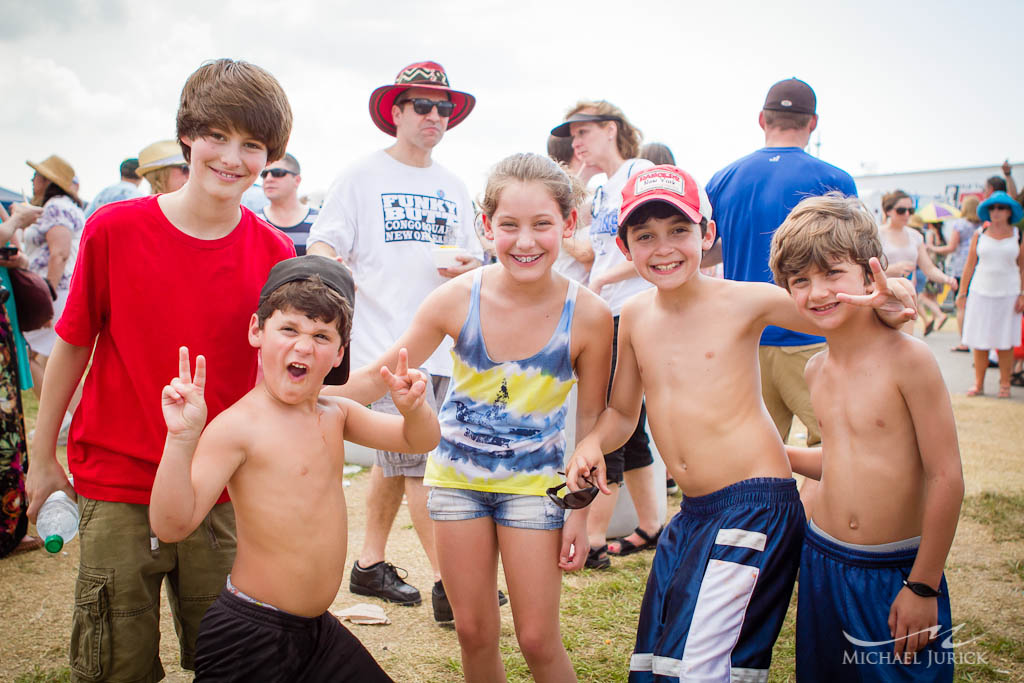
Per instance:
(784,388)
(394,464)
(115,630)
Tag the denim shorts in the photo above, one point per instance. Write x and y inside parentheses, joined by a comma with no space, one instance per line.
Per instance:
(507,509)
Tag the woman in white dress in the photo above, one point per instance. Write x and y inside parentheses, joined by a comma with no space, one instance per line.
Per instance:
(992,283)
(904,247)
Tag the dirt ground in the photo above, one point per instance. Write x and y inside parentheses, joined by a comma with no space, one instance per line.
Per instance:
(985,573)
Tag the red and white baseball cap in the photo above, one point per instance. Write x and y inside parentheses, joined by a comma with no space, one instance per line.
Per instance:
(669,184)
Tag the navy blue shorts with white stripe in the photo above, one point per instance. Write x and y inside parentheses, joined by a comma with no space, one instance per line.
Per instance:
(842,616)
(720,585)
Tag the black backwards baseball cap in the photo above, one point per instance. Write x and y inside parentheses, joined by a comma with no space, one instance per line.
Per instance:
(332,274)
(792,95)
(562,129)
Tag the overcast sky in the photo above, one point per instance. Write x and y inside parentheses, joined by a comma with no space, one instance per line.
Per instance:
(899,87)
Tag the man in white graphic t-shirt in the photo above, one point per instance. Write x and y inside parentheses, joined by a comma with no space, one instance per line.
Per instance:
(383,218)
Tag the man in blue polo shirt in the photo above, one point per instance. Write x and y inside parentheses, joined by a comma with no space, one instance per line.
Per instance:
(751,197)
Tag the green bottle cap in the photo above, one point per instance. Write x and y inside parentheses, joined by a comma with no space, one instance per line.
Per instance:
(54,543)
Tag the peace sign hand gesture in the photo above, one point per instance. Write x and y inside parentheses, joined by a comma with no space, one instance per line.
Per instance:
(407,386)
(182,400)
(896,301)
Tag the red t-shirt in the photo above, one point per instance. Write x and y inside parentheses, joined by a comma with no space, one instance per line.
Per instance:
(142,288)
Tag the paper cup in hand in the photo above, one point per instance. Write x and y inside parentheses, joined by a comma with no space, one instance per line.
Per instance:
(446,255)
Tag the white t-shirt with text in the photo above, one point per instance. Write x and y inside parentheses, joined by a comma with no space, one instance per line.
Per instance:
(383,218)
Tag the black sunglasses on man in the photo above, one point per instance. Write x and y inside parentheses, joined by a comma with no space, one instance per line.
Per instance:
(422,106)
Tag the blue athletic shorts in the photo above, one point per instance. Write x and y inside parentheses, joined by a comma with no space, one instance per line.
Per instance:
(845,595)
(720,585)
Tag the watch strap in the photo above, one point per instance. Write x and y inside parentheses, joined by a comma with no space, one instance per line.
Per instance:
(922,589)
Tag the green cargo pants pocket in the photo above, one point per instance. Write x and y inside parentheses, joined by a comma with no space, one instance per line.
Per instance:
(90,625)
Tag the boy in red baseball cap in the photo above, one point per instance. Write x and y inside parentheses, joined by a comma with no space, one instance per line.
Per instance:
(725,565)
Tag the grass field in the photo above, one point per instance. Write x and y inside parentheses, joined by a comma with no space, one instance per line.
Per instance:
(599,609)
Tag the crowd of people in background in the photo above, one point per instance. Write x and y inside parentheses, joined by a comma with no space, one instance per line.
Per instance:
(408,230)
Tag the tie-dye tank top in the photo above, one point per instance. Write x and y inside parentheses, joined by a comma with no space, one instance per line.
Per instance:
(502,424)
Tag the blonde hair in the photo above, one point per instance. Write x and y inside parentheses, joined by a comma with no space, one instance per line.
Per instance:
(969,208)
(627,137)
(158,179)
(565,188)
(821,230)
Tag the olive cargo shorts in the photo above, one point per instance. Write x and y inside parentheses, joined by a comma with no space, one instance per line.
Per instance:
(115,630)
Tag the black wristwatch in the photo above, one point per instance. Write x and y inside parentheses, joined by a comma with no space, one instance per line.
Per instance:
(922,589)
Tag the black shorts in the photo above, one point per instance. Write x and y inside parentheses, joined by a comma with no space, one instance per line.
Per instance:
(242,641)
(636,452)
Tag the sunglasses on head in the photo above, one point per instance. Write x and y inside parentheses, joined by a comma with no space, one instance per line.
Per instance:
(904,210)
(276,172)
(574,500)
(422,106)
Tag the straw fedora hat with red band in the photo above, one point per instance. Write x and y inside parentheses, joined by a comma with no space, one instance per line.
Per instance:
(58,171)
(429,75)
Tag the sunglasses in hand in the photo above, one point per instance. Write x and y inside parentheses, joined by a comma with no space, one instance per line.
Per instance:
(574,500)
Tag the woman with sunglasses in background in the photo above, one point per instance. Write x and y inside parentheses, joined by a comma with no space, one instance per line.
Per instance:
(992,287)
(904,247)
(605,139)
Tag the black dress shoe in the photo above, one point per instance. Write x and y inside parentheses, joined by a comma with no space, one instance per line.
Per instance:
(382,581)
(443,608)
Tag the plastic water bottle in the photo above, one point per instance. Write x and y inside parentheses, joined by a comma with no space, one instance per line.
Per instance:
(57,522)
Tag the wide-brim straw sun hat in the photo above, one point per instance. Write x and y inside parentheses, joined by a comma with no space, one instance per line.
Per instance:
(57,171)
(160,155)
(429,75)
(1001,199)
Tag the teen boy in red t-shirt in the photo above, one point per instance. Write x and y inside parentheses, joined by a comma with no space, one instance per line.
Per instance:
(153,274)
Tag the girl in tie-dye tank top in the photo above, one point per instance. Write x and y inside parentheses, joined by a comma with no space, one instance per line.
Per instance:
(523,336)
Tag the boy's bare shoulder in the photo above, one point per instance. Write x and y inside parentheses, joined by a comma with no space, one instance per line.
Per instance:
(637,305)
(912,360)
(338,405)
(233,425)
(748,296)
(814,365)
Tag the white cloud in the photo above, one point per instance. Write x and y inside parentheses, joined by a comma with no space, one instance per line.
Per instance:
(97,80)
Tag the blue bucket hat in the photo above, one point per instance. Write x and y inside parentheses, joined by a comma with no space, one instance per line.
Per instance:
(1001,199)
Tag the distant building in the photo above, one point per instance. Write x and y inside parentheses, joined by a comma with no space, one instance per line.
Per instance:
(948,185)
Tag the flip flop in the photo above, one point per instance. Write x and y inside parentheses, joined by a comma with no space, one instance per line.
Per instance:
(1004,391)
(960,348)
(930,327)
(628,547)
(975,391)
